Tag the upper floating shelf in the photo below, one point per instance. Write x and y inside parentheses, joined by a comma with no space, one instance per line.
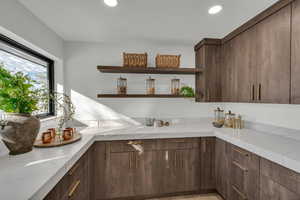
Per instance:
(148,70)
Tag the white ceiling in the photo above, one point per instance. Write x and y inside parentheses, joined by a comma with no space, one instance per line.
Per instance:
(161,21)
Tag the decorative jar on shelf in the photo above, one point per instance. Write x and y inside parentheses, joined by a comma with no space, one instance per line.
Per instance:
(150,86)
(175,86)
(122,85)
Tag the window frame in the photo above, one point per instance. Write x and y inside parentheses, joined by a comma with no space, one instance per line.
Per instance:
(50,69)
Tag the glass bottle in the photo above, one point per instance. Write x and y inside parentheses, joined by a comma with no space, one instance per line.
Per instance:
(150,86)
(122,85)
(175,86)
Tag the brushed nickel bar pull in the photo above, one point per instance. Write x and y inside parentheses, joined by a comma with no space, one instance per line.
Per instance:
(253,92)
(130,160)
(203,145)
(239,166)
(136,160)
(74,188)
(259,92)
(241,152)
(240,193)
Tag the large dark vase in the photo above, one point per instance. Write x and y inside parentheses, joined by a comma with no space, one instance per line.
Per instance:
(20,133)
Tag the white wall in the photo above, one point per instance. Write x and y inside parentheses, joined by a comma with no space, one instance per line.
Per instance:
(17,23)
(84,82)
(17,19)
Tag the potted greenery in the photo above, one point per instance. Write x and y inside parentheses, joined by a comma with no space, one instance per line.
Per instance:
(18,99)
(187,92)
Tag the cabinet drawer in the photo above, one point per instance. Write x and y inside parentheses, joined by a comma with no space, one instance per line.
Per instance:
(236,194)
(240,156)
(79,188)
(281,175)
(68,181)
(123,146)
(182,143)
(239,176)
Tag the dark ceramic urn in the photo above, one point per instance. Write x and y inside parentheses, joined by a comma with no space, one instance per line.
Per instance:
(20,133)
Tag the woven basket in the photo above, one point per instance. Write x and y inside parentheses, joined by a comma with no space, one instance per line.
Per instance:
(135,60)
(167,61)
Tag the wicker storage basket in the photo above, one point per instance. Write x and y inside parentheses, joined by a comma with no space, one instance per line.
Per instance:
(134,60)
(167,61)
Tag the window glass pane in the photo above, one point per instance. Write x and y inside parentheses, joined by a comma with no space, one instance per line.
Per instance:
(35,70)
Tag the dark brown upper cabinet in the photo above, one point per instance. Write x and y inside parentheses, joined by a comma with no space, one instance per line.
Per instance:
(295,65)
(245,65)
(255,60)
(273,56)
(208,55)
(228,72)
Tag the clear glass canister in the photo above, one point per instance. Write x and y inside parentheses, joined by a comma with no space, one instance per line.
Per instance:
(150,86)
(175,86)
(219,116)
(122,85)
(229,119)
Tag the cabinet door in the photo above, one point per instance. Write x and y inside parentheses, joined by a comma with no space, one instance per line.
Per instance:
(212,73)
(223,157)
(207,161)
(295,66)
(244,174)
(273,57)
(199,81)
(178,171)
(98,182)
(245,63)
(178,165)
(270,190)
(228,72)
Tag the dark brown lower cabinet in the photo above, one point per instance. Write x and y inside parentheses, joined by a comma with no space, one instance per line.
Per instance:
(207,162)
(223,160)
(250,177)
(75,184)
(165,167)
(277,182)
(244,175)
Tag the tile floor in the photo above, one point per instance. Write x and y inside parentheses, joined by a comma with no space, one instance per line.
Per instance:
(193,197)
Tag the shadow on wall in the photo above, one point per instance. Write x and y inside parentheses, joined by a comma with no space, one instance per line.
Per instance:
(93,113)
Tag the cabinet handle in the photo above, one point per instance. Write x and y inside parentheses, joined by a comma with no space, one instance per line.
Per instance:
(130,160)
(253,92)
(240,193)
(239,166)
(241,152)
(259,92)
(203,146)
(74,188)
(208,95)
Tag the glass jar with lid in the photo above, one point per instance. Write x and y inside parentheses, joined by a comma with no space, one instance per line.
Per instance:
(175,86)
(122,85)
(229,119)
(219,116)
(150,86)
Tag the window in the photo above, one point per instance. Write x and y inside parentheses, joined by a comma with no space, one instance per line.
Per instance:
(16,57)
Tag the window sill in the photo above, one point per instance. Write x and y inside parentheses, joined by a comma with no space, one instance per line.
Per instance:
(48,118)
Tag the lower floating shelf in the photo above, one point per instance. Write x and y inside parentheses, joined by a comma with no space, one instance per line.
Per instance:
(139,96)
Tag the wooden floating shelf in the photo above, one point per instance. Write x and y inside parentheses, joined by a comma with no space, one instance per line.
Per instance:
(139,96)
(148,70)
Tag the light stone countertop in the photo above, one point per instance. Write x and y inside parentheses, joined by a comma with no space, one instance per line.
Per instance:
(33,175)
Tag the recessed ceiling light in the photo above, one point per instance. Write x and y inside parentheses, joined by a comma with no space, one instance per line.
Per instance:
(215,9)
(111,3)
